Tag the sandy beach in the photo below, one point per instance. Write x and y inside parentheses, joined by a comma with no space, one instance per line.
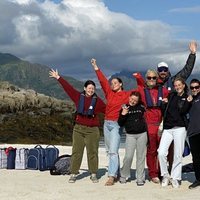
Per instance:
(36,185)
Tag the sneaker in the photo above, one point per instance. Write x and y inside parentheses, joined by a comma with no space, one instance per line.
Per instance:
(165,181)
(140,183)
(122,180)
(72,178)
(155,180)
(175,183)
(194,185)
(94,178)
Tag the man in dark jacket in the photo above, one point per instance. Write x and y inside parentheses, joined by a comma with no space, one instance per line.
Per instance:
(194,129)
(165,77)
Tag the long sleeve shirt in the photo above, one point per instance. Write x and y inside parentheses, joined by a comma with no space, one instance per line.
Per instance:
(75,96)
(114,99)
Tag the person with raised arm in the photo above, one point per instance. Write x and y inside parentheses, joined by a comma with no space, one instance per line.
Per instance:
(86,129)
(115,97)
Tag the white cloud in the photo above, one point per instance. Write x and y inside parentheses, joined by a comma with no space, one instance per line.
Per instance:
(67,35)
(195,9)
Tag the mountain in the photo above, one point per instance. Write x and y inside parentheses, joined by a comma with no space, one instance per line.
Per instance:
(129,81)
(32,76)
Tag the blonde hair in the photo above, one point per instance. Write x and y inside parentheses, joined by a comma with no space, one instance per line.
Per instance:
(151,71)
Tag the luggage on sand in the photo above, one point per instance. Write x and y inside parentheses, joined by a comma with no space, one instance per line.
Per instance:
(61,165)
(3,158)
(11,153)
(21,158)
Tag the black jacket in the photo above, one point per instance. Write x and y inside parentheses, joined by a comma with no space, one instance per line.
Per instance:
(187,69)
(175,113)
(194,117)
(183,73)
(133,121)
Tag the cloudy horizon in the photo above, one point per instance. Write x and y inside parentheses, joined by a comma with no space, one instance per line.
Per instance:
(67,34)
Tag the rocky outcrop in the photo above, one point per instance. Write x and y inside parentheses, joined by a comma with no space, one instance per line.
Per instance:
(30,117)
(14,99)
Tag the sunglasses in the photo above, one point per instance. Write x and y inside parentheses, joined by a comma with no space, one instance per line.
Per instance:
(151,77)
(195,87)
(162,69)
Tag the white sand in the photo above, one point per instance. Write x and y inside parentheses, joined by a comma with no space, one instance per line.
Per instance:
(36,185)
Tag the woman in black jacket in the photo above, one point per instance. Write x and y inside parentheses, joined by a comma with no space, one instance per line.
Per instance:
(194,130)
(132,118)
(174,124)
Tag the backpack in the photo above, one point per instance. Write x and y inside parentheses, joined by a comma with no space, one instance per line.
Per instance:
(36,158)
(51,154)
(61,165)
(11,153)
(3,158)
(21,158)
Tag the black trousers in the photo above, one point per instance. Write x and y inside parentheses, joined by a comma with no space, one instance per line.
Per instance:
(195,150)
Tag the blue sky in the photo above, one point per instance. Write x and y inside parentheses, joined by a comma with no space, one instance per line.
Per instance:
(122,35)
(180,13)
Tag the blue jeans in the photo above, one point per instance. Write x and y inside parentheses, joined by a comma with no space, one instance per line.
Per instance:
(112,142)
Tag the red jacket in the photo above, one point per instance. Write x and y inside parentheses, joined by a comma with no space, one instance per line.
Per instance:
(114,99)
(75,96)
(153,115)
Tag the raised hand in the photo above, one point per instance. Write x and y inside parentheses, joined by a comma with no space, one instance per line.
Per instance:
(189,98)
(193,47)
(125,109)
(94,64)
(54,74)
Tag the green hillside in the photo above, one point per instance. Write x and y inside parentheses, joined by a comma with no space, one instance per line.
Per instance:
(32,76)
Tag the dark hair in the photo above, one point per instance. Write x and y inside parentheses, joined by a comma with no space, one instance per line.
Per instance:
(119,80)
(89,82)
(194,80)
(183,82)
(137,94)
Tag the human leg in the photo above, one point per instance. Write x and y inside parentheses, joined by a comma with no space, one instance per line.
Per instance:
(77,149)
(92,136)
(165,142)
(152,160)
(141,148)
(195,151)
(130,146)
(179,135)
(112,140)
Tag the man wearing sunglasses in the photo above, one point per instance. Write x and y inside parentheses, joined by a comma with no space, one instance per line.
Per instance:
(165,77)
(193,130)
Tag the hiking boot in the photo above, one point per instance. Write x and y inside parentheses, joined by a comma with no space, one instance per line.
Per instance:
(122,180)
(93,178)
(194,185)
(72,178)
(155,180)
(165,181)
(175,183)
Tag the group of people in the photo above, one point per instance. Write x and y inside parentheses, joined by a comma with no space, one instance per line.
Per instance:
(160,99)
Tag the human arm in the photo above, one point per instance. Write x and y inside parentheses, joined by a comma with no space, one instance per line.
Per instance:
(101,106)
(187,69)
(101,77)
(123,115)
(139,79)
(69,89)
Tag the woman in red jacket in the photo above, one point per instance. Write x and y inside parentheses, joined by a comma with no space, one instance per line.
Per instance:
(152,96)
(116,97)
(86,131)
